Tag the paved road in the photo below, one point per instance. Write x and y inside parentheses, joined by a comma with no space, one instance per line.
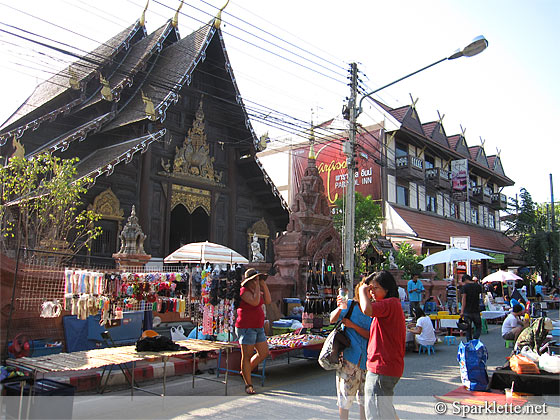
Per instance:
(300,390)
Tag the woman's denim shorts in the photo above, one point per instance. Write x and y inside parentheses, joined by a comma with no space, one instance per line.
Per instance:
(250,335)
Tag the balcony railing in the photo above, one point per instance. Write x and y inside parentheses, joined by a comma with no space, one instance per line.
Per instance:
(481,194)
(499,201)
(410,167)
(439,178)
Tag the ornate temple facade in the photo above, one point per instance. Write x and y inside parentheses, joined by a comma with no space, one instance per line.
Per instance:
(158,124)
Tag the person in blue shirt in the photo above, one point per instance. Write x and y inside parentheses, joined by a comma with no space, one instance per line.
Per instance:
(539,291)
(351,377)
(415,290)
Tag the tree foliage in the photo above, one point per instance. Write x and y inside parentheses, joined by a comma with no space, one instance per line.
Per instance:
(407,260)
(367,223)
(40,205)
(529,226)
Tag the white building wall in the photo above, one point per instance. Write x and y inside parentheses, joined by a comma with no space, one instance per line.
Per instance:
(440,204)
(422,197)
(390,153)
(413,195)
(446,205)
(391,189)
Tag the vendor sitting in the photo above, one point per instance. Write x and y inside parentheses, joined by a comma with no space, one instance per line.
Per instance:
(513,325)
(534,336)
(424,330)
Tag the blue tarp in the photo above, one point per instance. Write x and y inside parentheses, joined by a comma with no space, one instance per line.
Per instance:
(86,334)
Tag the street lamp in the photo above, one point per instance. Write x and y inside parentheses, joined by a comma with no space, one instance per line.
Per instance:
(476,46)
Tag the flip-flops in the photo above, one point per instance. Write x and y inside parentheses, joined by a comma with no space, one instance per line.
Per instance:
(249,389)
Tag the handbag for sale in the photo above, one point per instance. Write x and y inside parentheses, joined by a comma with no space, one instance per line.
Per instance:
(336,342)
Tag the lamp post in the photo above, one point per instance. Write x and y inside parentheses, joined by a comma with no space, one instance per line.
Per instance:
(476,46)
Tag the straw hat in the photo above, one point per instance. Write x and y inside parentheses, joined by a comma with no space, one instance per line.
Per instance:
(251,274)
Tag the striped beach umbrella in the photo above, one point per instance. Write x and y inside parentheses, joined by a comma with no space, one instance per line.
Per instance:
(203,252)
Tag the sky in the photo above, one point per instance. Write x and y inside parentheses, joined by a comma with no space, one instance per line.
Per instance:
(291,59)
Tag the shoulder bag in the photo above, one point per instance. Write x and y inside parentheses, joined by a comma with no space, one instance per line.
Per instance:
(336,342)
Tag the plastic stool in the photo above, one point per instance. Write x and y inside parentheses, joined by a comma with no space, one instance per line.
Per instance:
(484,328)
(449,339)
(509,343)
(422,348)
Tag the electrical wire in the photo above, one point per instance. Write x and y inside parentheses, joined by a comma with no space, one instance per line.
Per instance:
(279,38)
(55,48)
(259,38)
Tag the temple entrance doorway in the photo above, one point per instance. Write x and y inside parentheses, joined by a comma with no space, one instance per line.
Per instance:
(186,227)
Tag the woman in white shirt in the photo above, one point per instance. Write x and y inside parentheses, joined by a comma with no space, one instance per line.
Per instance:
(424,330)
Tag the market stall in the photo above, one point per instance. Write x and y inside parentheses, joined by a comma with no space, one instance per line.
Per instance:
(282,344)
(114,356)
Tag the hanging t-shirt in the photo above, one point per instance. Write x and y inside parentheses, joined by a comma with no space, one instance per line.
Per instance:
(387,338)
(428,334)
(249,316)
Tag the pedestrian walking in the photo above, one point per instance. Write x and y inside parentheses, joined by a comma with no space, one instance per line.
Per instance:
(470,306)
(451,292)
(379,298)
(351,377)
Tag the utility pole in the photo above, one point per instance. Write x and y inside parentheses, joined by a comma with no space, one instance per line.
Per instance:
(553,232)
(349,148)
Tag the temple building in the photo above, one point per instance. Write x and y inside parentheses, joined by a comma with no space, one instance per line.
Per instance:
(158,123)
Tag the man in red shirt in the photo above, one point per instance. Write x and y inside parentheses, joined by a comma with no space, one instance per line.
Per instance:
(379,298)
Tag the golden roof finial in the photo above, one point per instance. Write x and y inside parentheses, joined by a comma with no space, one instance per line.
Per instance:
(150,110)
(143,17)
(106,92)
(218,18)
(311,143)
(175,20)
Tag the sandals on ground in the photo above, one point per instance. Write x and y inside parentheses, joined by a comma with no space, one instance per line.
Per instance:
(249,389)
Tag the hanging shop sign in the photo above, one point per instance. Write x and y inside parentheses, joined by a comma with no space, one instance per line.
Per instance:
(460,179)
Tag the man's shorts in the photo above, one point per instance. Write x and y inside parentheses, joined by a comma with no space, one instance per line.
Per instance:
(250,335)
(510,335)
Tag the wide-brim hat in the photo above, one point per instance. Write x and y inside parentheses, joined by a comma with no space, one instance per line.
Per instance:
(251,274)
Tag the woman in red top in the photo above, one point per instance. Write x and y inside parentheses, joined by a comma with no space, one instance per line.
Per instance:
(249,325)
(379,298)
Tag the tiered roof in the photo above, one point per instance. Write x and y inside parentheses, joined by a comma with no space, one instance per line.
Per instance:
(132,79)
(455,145)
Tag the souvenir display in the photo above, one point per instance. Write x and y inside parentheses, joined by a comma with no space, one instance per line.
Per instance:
(320,299)
(206,295)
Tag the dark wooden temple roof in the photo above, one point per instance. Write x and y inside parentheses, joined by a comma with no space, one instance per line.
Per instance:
(42,100)
(137,58)
(151,68)
(172,70)
(105,159)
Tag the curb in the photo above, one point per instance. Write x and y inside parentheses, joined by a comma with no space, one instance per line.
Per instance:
(89,381)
